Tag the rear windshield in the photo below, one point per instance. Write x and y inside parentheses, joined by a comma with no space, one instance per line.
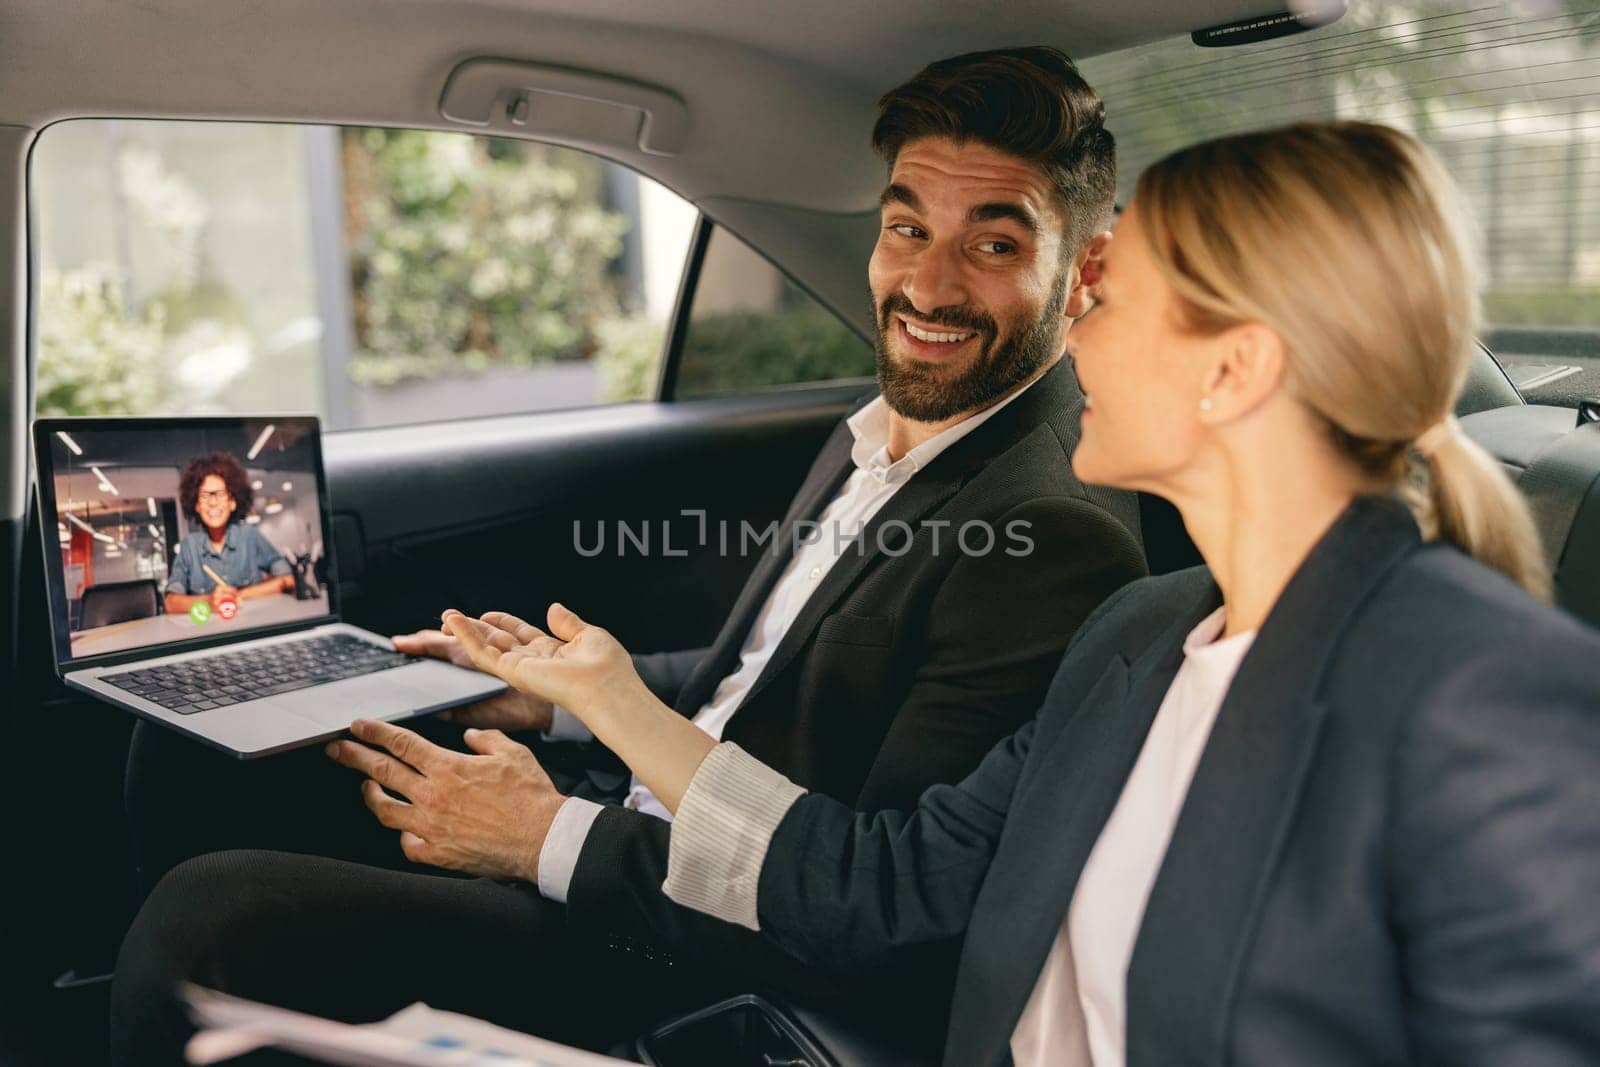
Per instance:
(1508,95)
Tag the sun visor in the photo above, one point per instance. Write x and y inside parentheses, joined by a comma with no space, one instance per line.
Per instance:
(563,104)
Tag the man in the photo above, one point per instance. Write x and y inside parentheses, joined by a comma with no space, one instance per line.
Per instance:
(867,669)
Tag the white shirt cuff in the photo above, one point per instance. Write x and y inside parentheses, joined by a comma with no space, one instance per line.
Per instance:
(559,856)
(565,726)
(725,824)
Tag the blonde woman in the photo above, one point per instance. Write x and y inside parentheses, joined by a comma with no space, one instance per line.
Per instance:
(1333,798)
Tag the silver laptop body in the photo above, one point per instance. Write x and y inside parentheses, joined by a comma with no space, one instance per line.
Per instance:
(118,538)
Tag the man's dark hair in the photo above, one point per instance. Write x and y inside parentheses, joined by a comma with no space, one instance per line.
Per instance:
(224,466)
(1027,102)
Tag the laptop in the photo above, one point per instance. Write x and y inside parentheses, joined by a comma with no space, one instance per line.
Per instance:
(192,581)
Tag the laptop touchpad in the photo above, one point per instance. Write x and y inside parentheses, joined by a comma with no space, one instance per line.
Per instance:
(372,696)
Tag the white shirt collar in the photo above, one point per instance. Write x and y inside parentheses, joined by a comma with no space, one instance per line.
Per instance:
(870,426)
(1202,644)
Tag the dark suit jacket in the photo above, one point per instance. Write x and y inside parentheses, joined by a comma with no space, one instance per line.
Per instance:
(905,666)
(1390,851)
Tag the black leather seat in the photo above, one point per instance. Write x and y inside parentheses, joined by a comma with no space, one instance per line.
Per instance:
(1556,463)
(112,602)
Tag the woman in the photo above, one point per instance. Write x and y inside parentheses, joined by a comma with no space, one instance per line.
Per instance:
(222,558)
(1333,798)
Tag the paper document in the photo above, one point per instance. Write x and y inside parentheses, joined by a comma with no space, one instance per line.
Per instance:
(417,1036)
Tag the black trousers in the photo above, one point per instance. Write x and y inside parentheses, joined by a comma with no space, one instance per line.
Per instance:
(357,943)
(184,799)
(270,879)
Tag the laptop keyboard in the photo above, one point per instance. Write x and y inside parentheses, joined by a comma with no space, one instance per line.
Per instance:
(249,674)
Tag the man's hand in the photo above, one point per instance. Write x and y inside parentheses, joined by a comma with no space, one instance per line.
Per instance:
(221,592)
(486,814)
(511,710)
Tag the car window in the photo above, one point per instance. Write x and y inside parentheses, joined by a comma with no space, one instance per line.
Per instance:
(752,328)
(373,276)
(1508,95)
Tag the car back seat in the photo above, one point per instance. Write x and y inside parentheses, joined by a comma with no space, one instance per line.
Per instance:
(1555,459)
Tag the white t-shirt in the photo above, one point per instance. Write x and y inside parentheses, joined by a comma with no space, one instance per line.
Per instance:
(1077,1015)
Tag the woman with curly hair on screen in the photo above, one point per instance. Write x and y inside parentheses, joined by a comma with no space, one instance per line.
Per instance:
(222,557)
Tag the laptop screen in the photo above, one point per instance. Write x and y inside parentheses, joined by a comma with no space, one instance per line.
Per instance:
(166,533)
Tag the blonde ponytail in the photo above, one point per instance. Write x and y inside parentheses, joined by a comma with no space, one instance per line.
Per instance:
(1349,240)
(1471,503)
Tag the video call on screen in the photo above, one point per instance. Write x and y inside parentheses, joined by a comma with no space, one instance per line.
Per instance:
(171,534)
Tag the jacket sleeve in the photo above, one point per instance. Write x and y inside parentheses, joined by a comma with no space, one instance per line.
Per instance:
(998,626)
(853,892)
(615,897)
(1494,850)
(831,887)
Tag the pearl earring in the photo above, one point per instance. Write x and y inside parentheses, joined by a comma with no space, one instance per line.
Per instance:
(1205,403)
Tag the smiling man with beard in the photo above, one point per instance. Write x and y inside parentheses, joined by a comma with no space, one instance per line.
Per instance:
(939,366)
(898,631)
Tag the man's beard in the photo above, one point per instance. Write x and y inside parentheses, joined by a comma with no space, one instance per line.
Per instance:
(929,392)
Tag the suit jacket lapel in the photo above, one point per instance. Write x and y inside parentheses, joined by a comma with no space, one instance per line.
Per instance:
(1058,814)
(919,496)
(828,474)
(922,493)
(1206,900)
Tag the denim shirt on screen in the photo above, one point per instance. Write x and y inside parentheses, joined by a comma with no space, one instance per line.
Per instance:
(246,558)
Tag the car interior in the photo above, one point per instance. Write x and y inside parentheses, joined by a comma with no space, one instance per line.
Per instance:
(753,120)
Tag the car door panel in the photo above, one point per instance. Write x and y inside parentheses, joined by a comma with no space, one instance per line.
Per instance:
(613,511)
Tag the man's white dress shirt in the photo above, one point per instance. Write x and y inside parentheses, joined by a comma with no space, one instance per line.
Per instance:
(874,481)
(1077,1013)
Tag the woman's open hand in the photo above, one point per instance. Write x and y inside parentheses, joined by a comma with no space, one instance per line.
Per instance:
(585,670)
(581,667)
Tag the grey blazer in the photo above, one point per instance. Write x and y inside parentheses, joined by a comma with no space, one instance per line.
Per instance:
(1390,852)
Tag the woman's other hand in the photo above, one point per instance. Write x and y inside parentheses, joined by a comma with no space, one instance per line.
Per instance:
(434,644)
(510,711)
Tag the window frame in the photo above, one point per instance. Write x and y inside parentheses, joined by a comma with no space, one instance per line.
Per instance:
(33,248)
(678,328)
(689,288)
(679,318)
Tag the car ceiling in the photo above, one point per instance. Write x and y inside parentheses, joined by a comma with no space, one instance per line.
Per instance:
(780,95)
